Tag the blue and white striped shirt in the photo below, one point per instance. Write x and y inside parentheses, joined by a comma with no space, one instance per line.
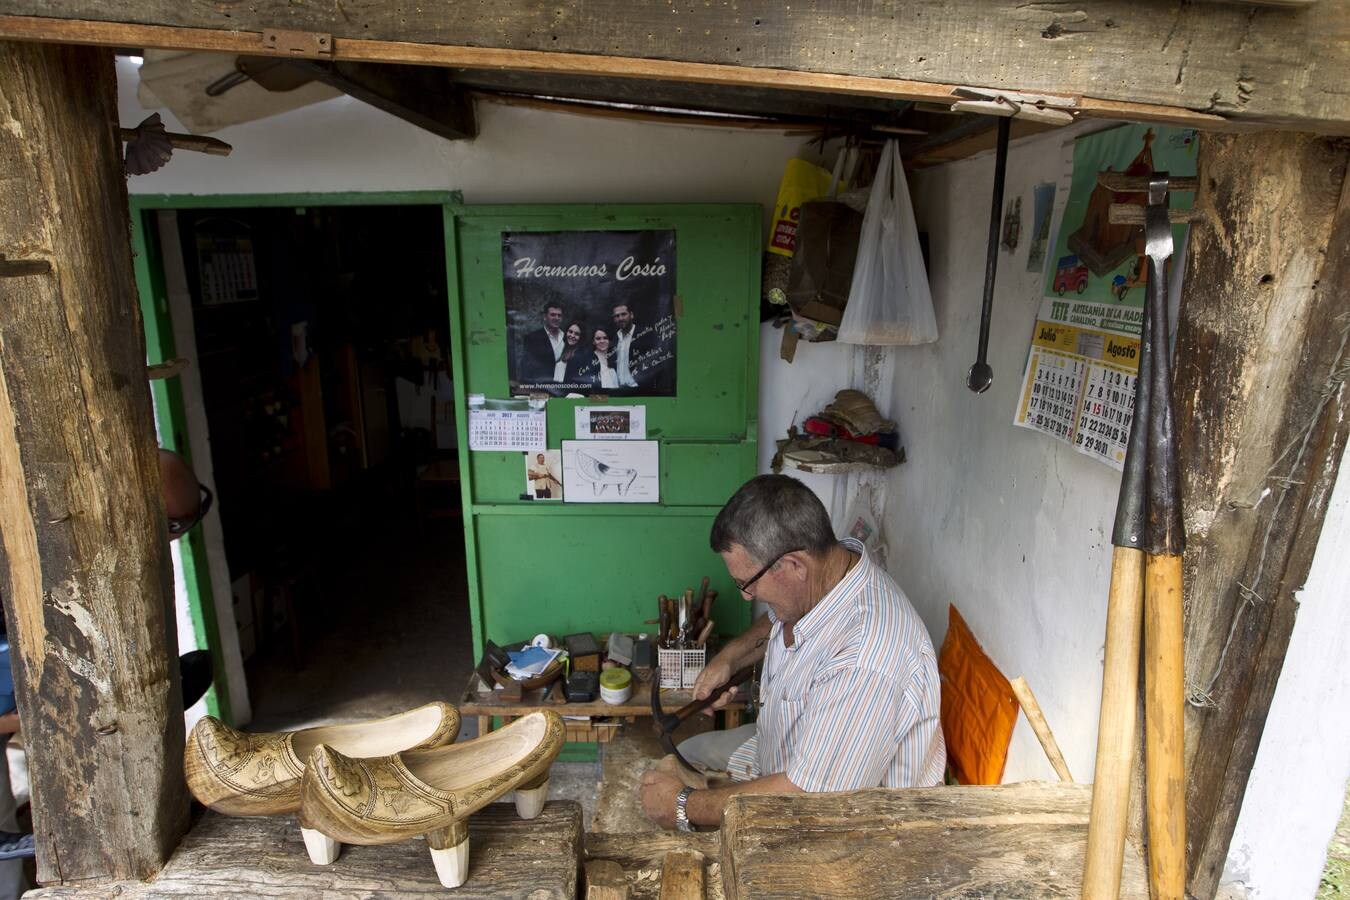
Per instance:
(853,703)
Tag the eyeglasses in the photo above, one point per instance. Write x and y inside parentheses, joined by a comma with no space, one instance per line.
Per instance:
(745,586)
(184,525)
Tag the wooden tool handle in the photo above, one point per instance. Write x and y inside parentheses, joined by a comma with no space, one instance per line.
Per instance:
(1036,718)
(740,675)
(1164,746)
(1116,729)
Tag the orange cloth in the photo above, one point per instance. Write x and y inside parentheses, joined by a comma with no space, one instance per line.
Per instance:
(979,708)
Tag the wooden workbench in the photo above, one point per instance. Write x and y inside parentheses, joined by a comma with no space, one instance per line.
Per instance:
(478,700)
(1017,840)
(265,857)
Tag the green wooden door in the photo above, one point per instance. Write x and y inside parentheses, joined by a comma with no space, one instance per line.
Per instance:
(563,568)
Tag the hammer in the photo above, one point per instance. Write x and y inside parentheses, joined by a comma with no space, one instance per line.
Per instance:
(664,723)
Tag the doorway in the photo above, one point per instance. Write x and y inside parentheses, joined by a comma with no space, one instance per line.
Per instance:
(329,582)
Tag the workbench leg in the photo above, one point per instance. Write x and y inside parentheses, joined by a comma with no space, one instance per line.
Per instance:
(484,725)
(733,718)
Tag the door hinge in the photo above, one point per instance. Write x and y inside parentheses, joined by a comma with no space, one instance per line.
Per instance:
(308,44)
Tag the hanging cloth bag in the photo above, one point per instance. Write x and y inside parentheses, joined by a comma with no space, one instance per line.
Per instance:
(889,301)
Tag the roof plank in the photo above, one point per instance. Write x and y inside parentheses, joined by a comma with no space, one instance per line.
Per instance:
(1268,65)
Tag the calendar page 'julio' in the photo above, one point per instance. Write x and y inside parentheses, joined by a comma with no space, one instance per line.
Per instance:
(1078,385)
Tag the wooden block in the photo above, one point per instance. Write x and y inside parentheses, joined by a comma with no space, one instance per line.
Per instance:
(642,856)
(605,881)
(1018,840)
(682,875)
(265,857)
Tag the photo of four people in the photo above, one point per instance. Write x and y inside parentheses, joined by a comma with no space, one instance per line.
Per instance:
(591,312)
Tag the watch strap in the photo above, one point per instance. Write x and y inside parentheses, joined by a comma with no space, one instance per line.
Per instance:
(682,811)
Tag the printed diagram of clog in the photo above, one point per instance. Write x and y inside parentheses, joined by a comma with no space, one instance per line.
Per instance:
(241,774)
(602,475)
(430,792)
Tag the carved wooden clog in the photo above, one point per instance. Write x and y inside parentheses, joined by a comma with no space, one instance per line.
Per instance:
(430,792)
(242,774)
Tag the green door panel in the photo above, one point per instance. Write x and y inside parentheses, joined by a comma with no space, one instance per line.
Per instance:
(561,568)
(562,574)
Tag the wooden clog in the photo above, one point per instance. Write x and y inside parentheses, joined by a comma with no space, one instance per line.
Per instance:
(430,792)
(242,774)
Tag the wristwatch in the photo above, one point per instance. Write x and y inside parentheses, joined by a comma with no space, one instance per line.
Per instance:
(681,813)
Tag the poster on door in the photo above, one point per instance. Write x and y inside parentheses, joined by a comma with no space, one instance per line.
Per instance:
(1078,385)
(590,312)
(611,471)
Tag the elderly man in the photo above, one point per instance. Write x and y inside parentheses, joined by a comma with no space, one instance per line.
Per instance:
(849,691)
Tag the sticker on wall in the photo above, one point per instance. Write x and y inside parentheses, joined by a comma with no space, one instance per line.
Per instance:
(611,472)
(543,475)
(615,423)
(590,312)
(1012,225)
(1043,206)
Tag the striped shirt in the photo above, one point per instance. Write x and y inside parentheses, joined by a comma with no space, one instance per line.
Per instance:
(853,703)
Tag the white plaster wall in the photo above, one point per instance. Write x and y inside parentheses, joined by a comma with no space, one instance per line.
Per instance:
(520,156)
(1010,526)
(1298,782)
(1014,528)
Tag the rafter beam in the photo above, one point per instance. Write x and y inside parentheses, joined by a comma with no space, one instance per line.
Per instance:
(426,97)
(1157,60)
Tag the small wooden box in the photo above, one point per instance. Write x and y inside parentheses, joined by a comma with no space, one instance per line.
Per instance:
(583,651)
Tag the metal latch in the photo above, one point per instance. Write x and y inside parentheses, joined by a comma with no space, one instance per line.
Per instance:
(1055,109)
(308,44)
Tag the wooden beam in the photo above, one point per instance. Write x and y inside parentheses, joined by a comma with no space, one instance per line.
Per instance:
(1260,391)
(682,875)
(84,559)
(868,71)
(1016,840)
(425,96)
(264,857)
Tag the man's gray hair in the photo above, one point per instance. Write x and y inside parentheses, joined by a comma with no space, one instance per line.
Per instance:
(772,515)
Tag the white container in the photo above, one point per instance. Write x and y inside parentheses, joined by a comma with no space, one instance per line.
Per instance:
(620,687)
(616,696)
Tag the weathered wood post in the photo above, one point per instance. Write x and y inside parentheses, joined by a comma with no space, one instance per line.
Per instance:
(1260,391)
(84,570)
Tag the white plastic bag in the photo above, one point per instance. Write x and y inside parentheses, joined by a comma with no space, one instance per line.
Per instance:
(889,301)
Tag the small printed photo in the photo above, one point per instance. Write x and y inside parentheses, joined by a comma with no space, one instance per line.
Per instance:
(543,474)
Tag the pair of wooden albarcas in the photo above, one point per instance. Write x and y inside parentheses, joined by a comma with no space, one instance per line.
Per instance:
(377,782)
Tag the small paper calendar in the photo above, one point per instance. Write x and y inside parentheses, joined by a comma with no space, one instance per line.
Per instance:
(506,425)
(1079,387)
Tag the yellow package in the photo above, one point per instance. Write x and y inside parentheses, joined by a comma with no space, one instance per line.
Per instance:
(802,181)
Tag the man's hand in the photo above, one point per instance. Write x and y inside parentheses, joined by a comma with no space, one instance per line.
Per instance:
(9,722)
(658,792)
(716,674)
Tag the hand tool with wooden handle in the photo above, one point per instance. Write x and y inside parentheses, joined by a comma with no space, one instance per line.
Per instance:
(1164,541)
(664,723)
(1116,732)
